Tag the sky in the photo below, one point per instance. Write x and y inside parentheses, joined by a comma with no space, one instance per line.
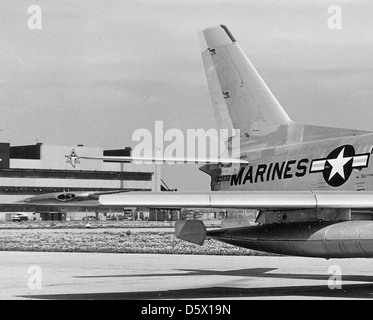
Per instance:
(100,69)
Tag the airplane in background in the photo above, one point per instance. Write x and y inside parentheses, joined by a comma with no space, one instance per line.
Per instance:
(312,185)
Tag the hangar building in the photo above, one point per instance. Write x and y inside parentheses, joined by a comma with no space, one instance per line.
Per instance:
(30,170)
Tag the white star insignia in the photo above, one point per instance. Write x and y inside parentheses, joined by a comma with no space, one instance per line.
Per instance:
(338,165)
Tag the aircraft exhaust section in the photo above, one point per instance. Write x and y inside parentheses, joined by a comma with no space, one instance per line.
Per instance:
(350,239)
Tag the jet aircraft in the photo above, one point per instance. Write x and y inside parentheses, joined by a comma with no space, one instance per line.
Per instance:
(312,185)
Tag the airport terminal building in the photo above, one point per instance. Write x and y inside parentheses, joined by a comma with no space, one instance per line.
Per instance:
(30,170)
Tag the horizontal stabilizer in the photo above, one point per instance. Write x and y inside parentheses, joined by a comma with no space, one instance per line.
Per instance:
(73,159)
(193,231)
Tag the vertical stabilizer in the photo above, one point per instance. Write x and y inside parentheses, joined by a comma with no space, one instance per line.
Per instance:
(240,97)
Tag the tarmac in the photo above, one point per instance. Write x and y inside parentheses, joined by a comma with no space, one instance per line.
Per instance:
(81,276)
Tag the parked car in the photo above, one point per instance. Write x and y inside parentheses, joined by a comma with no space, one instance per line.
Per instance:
(18,217)
(89,218)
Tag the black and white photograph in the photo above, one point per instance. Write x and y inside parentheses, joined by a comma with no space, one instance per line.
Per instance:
(186,156)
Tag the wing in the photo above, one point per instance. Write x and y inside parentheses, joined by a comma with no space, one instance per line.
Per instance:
(261,200)
(76,198)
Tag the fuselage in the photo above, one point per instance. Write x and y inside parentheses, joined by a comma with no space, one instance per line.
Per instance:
(337,163)
(329,164)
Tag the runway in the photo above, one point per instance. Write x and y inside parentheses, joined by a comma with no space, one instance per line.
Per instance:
(30,275)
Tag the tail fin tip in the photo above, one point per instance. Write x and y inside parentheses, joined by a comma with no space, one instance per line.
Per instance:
(230,35)
(215,37)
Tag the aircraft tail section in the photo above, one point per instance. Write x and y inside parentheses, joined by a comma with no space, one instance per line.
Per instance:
(240,97)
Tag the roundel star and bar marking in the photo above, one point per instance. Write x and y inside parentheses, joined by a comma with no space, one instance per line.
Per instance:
(338,165)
